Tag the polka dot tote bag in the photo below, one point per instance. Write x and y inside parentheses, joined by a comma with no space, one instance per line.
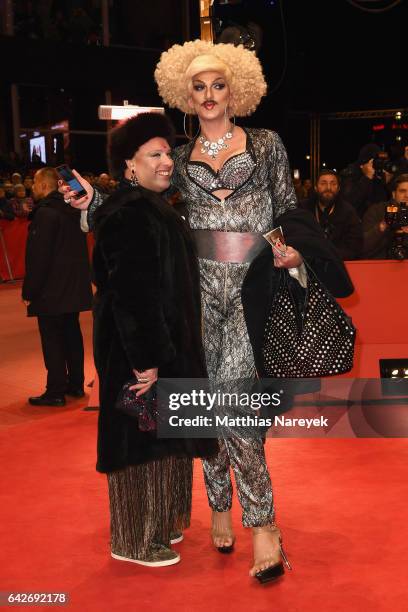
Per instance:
(307,333)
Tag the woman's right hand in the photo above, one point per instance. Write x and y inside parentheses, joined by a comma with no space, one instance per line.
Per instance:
(79,203)
(146,379)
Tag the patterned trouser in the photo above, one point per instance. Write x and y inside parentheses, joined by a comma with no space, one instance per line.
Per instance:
(230,358)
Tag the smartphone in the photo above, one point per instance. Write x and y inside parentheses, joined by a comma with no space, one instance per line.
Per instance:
(65,173)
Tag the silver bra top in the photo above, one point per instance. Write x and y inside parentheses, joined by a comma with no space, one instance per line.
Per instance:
(233,174)
(254,206)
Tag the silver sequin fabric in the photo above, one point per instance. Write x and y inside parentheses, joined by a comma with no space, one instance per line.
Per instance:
(234,172)
(259,197)
(97,200)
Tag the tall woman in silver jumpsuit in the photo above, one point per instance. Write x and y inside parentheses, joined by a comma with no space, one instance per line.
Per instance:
(235,182)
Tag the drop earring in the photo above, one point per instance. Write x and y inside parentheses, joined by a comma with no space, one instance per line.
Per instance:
(133,179)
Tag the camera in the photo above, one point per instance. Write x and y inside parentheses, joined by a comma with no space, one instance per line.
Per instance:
(382,165)
(396,217)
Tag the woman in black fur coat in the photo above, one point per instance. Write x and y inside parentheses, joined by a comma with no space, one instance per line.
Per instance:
(147,323)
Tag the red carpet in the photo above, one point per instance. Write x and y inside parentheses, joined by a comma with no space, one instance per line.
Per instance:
(341,506)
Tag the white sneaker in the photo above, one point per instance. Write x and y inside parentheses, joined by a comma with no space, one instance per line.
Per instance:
(176,537)
(158,556)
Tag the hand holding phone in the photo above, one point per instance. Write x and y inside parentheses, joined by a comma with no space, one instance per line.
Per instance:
(68,177)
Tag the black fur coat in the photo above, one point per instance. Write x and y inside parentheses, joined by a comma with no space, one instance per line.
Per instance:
(146,314)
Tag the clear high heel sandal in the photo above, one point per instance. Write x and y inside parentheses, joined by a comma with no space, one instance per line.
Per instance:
(271,566)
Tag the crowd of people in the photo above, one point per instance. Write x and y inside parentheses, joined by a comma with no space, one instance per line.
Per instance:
(16,197)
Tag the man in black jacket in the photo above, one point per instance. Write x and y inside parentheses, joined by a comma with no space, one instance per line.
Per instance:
(57,288)
(336,217)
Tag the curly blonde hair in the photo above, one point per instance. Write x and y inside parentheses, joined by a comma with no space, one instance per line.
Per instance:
(240,67)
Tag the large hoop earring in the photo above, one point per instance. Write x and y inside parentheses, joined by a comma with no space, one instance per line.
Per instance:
(185,130)
(133,179)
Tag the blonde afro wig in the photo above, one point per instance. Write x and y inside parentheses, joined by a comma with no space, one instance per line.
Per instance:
(240,67)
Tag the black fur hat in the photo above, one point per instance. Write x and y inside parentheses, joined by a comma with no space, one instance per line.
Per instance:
(125,139)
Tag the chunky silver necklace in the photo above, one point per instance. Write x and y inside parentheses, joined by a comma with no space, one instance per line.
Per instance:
(212,148)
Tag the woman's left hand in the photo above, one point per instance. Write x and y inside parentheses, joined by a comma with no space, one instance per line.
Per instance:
(291,259)
(146,380)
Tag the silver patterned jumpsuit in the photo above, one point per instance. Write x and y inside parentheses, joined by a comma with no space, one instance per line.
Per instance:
(262,190)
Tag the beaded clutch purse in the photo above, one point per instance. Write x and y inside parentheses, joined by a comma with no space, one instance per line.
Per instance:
(142,408)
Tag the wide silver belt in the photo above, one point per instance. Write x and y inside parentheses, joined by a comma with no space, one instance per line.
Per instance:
(233,247)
